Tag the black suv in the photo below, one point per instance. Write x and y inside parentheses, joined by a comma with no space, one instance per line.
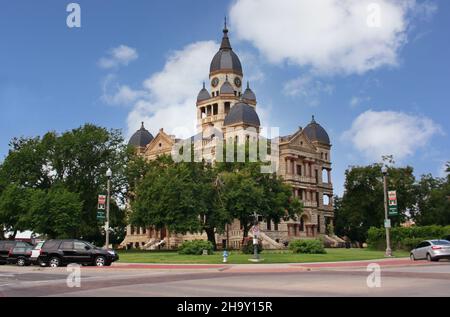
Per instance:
(20,256)
(55,253)
(8,245)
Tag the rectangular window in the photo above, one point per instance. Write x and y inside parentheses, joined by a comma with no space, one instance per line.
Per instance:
(80,246)
(67,245)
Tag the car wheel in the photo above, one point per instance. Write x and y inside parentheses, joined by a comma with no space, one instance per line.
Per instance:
(412,257)
(21,262)
(430,258)
(54,262)
(100,261)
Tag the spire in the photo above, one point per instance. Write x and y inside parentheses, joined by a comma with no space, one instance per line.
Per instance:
(225,40)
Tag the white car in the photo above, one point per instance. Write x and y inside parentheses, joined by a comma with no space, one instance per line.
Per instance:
(431,250)
(36,252)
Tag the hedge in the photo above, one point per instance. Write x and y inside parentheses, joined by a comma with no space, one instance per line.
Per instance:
(405,238)
(196,247)
(307,246)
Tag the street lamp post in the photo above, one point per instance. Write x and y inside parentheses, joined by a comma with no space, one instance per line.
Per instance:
(255,237)
(108,198)
(388,238)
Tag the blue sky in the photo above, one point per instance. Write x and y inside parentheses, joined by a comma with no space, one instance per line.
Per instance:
(375,90)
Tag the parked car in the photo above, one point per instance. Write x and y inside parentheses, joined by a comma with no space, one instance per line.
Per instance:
(432,250)
(8,245)
(36,252)
(55,253)
(20,256)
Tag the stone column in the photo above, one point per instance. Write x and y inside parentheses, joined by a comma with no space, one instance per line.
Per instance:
(295,167)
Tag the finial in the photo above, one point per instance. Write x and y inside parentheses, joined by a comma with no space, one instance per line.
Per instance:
(248,84)
(204,85)
(226,77)
(142,125)
(225,40)
(313,119)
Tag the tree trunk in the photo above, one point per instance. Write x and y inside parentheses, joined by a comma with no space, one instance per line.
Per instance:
(211,237)
(245,229)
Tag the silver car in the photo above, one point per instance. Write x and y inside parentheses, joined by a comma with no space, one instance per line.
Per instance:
(432,250)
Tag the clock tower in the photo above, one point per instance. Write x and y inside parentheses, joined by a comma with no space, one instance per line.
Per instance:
(225,90)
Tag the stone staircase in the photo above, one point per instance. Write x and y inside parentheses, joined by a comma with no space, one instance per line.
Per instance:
(268,242)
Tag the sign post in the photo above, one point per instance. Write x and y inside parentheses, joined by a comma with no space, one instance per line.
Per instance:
(393,207)
(101,208)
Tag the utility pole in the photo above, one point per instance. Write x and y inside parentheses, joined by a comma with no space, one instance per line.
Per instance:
(108,198)
(255,237)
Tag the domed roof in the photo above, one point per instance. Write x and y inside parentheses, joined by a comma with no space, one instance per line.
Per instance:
(242,113)
(203,94)
(225,58)
(141,138)
(249,94)
(315,132)
(227,88)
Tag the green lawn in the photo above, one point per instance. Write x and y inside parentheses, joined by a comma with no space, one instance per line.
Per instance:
(239,258)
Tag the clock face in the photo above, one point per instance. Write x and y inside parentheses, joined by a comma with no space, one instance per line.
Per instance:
(215,82)
(238,82)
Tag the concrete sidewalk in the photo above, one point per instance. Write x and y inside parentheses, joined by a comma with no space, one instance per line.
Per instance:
(273,267)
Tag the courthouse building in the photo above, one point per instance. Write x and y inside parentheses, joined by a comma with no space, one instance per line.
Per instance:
(230,107)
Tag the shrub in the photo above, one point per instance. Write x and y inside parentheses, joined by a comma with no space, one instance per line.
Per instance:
(307,246)
(248,248)
(196,247)
(405,238)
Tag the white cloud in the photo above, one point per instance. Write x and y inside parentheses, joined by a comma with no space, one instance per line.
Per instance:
(170,95)
(308,89)
(387,132)
(118,56)
(356,101)
(116,94)
(330,36)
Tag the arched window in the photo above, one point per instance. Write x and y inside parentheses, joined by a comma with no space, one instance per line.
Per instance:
(326,200)
(325,176)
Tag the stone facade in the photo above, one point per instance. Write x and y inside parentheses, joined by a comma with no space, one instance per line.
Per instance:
(304,159)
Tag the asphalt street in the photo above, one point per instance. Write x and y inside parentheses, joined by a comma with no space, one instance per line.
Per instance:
(405,279)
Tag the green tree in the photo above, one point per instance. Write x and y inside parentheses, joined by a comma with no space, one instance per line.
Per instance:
(166,197)
(75,161)
(13,208)
(433,201)
(362,205)
(247,190)
(56,212)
